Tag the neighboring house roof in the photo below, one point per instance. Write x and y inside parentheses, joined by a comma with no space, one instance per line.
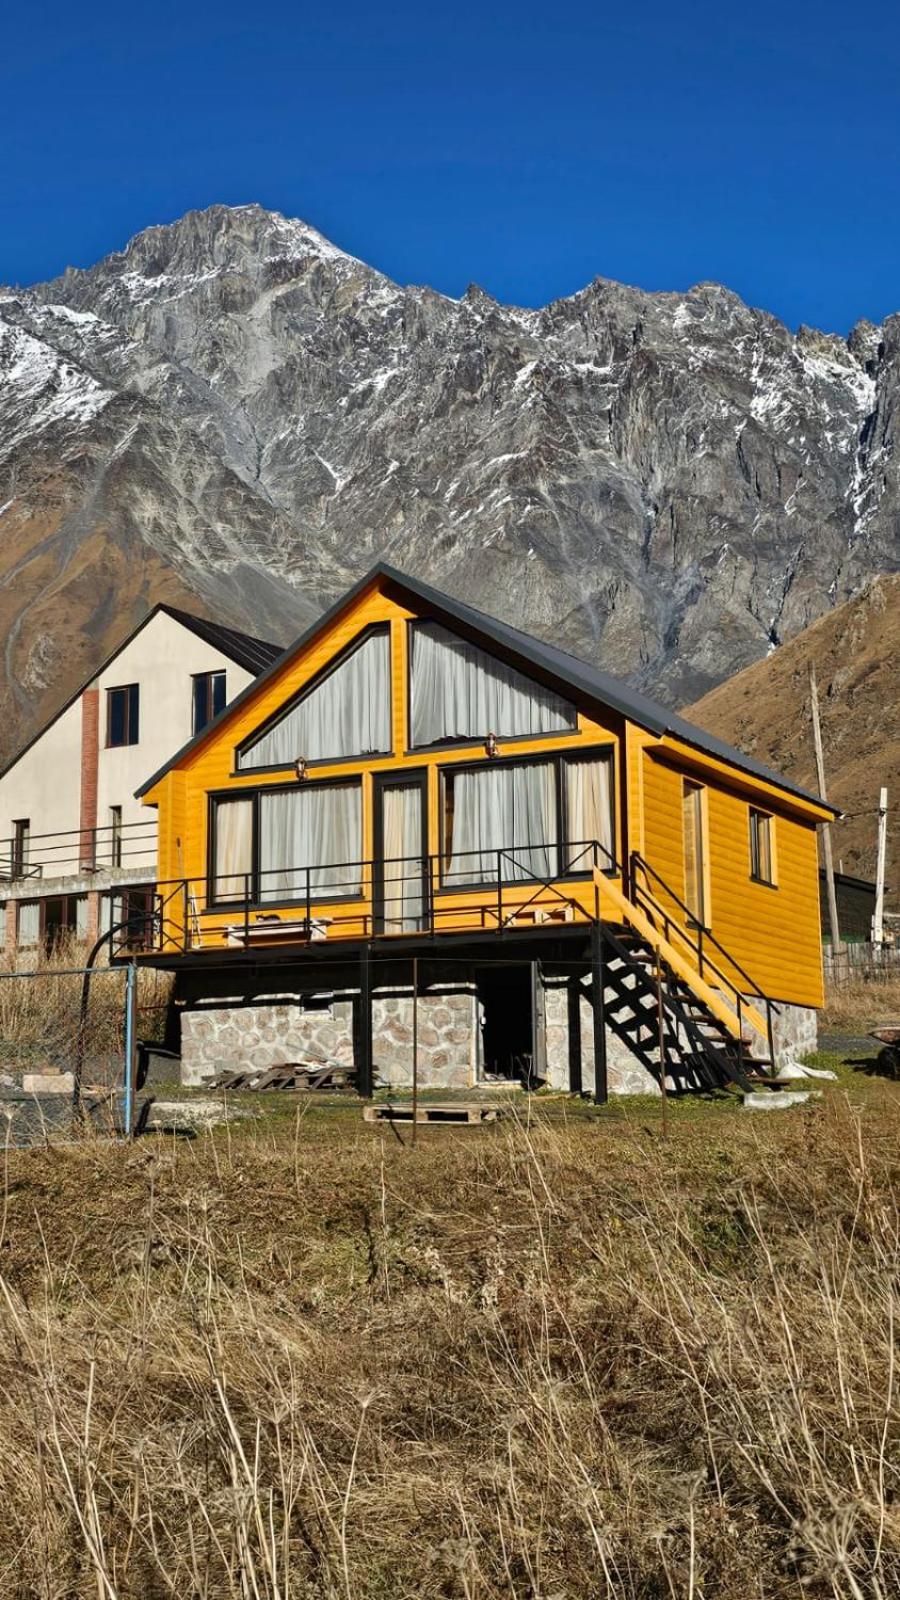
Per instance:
(254,655)
(567,672)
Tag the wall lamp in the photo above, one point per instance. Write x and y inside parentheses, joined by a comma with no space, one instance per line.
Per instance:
(301,770)
(492,746)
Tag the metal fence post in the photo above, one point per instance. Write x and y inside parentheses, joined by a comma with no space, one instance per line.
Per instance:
(130,1046)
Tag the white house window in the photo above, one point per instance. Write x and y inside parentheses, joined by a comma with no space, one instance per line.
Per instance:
(207,698)
(460,692)
(123,715)
(317,827)
(346,713)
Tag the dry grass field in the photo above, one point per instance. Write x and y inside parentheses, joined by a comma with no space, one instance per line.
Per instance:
(570,1355)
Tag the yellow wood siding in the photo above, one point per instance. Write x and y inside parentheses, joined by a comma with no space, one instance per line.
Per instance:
(773,933)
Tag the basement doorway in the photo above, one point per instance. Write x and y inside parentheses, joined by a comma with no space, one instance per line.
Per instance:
(506,1019)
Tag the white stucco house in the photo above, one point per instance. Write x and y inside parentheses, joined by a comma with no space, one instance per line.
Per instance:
(77,850)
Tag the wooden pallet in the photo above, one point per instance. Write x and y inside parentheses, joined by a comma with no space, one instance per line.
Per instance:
(293,1076)
(466,1113)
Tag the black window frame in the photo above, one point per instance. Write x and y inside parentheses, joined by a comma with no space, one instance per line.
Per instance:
(315,682)
(131,716)
(21,846)
(472,740)
(208,681)
(224,796)
(755,815)
(558,759)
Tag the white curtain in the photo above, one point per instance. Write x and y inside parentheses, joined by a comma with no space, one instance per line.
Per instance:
(589,812)
(29,922)
(319,827)
(81,916)
(401,822)
(347,714)
(234,848)
(508,808)
(461,692)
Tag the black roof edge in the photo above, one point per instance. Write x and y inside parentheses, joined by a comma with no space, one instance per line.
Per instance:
(186,618)
(565,669)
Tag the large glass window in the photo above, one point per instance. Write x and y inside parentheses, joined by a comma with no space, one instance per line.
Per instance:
(347,713)
(459,692)
(316,828)
(534,819)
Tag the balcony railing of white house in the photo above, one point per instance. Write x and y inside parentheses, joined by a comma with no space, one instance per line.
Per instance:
(117,847)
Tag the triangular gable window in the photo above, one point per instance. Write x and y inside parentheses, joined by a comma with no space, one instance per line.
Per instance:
(459,692)
(346,712)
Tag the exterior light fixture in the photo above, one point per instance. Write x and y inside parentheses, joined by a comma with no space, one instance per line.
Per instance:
(300,769)
(491,746)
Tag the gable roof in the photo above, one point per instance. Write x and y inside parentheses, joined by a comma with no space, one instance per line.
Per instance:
(568,672)
(254,655)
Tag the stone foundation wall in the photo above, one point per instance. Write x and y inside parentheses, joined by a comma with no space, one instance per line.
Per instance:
(624,1073)
(229,1038)
(796,1032)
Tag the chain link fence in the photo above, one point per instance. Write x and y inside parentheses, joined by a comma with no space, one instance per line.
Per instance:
(69,1045)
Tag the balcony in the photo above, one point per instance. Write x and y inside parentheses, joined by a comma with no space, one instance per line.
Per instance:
(118,852)
(489,891)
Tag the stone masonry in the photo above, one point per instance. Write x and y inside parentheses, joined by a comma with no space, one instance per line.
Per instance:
(222,1038)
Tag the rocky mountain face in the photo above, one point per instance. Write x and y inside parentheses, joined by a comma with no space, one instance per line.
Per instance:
(234,414)
(766,711)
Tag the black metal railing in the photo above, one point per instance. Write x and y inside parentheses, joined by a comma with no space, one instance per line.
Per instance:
(372,898)
(643,897)
(114,847)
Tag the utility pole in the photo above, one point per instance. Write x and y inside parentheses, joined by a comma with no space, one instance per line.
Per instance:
(826,827)
(878,918)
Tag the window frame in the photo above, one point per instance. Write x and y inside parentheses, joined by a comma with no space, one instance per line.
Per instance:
(556,758)
(132,713)
(472,741)
(318,678)
(254,793)
(21,846)
(207,678)
(704,885)
(755,815)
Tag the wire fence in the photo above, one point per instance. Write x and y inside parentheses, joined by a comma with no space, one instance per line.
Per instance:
(69,1040)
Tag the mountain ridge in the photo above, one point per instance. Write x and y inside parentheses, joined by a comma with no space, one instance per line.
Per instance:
(235,411)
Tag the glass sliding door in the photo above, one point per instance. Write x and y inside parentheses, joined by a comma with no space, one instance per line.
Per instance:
(589,812)
(232,850)
(401,868)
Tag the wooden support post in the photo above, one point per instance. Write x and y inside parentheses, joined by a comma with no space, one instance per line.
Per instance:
(826,826)
(878,917)
(661,1027)
(601,1089)
(573,1001)
(364,1040)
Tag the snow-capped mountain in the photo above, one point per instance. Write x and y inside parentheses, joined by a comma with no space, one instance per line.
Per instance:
(235,413)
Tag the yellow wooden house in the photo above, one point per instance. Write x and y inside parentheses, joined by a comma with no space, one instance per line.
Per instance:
(581,887)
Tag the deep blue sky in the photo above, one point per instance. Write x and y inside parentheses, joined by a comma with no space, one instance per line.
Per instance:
(525,147)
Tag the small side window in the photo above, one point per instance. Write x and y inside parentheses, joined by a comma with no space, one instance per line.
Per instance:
(762,862)
(122,716)
(208,698)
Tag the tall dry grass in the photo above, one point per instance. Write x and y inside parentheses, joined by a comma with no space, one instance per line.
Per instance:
(40,1004)
(558,1360)
(856,1004)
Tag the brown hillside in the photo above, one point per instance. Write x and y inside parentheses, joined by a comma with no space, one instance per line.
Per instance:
(765,711)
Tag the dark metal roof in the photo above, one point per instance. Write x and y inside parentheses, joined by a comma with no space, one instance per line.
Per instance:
(254,655)
(568,672)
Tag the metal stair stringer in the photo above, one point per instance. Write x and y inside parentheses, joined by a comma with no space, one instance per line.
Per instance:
(680,965)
